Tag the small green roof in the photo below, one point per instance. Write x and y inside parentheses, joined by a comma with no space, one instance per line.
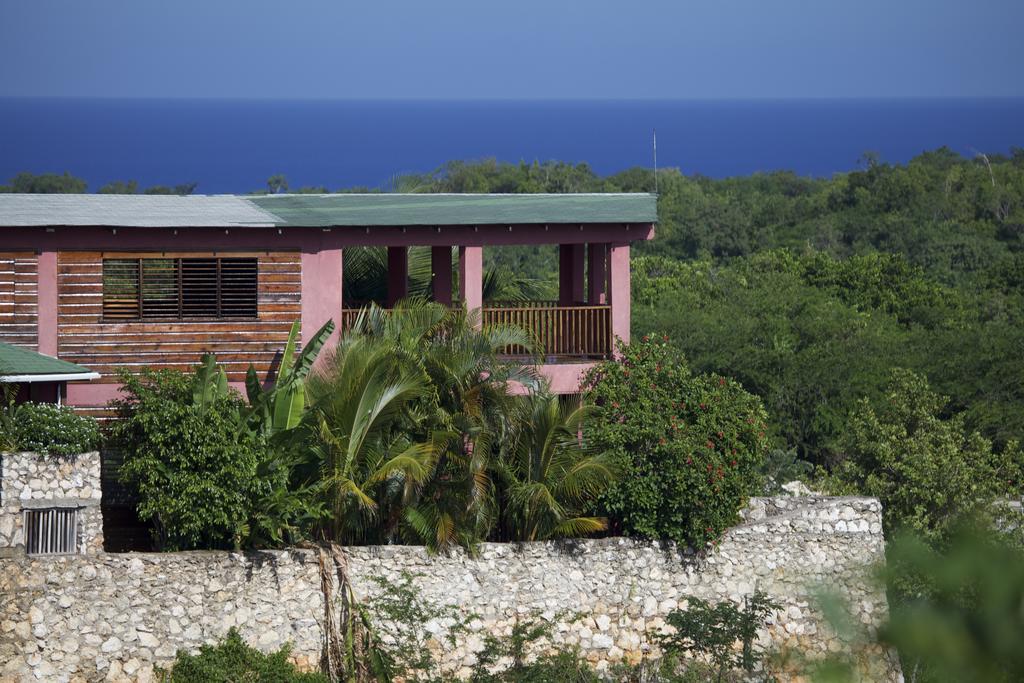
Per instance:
(16,362)
(458,209)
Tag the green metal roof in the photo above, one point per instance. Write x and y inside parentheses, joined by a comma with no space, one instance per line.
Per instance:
(458,209)
(16,362)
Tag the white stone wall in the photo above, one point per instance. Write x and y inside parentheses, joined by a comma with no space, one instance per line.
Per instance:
(34,481)
(114,616)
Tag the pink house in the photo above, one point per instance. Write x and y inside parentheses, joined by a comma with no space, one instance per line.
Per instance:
(110,281)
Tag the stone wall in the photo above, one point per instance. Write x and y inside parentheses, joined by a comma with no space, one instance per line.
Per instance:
(114,616)
(35,481)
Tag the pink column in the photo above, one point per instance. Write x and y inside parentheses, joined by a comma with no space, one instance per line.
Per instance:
(570,274)
(441,268)
(618,285)
(471,277)
(321,291)
(46,318)
(398,274)
(597,273)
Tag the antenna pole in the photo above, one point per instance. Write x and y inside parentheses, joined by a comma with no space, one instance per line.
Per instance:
(655,140)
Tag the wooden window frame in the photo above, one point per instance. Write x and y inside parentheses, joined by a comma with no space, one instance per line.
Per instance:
(178,257)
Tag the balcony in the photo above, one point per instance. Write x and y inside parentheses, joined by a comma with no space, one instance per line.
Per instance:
(560,333)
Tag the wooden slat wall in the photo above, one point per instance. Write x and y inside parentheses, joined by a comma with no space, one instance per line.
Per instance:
(106,346)
(19,289)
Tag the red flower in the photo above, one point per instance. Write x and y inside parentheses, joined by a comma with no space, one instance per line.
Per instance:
(721,381)
(733,463)
(689,461)
(720,435)
(710,444)
(646,338)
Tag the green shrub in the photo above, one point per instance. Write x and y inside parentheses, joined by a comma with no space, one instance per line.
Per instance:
(713,631)
(559,666)
(232,660)
(689,447)
(927,469)
(194,465)
(52,429)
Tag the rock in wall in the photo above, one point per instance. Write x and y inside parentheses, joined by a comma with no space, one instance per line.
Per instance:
(114,616)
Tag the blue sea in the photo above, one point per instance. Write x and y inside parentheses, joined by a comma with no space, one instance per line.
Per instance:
(235,145)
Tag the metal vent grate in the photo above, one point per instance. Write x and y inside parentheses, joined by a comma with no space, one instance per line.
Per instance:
(53,531)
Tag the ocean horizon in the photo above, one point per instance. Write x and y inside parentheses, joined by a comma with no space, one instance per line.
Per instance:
(233,146)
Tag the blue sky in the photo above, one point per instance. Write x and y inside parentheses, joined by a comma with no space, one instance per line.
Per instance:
(520,49)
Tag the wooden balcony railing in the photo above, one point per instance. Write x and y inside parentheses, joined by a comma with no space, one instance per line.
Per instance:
(558,331)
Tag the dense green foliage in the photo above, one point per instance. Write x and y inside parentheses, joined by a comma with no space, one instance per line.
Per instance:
(690,446)
(191,462)
(231,660)
(408,432)
(812,335)
(928,471)
(210,470)
(549,476)
(47,428)
(413,434)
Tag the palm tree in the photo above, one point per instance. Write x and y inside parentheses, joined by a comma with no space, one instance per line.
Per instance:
(357,435)
(471,398)
(550,478)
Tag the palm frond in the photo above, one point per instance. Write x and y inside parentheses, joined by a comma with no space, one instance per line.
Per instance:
(578,526)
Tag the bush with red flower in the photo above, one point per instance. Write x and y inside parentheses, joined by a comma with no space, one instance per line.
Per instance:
(689,446)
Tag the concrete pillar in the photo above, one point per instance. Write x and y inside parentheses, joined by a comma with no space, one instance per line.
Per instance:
(46,318)
(321,291)
(398,274)
(471,277)
(570,274)
(441,271)
(618,289)
(597,274)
